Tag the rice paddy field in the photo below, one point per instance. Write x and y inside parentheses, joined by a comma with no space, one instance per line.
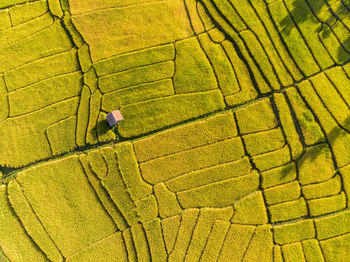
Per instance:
(235,143)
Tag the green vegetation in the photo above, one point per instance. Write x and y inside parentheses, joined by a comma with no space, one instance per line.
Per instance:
(20,104)
(256,117)
(167,203)
(108,249)
(250,210)
(236,242)
(289,128)
(42,43)
(210,130)
(191,65)
(219,194)
(205,224)
(282,193)
(332,225)
(247,91)
(312,133)
(158,169)
(61,135)
(260,246)
(209,175)
(138,18)
(183,238)
(312,250)
(135,76)
(336,249)
(288,210)
(327,205)
(223,70)
(47,68)
(262,142)
(79,212)
(328,188)
(28,5)
(234,144)
(315,165)
(293,252)
(137,93)
(272,159)
(14,239)
(293,39)
(279,175)
(139,117)
(294,232)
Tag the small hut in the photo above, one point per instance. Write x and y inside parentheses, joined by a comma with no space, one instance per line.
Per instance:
(114,117)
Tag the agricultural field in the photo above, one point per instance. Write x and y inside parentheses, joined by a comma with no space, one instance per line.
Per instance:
(235,143)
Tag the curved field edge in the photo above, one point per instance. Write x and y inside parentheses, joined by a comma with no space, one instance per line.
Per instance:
(267,180)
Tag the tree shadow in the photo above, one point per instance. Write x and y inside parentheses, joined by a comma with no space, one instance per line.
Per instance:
(310,11)
(6,171)
(335,133)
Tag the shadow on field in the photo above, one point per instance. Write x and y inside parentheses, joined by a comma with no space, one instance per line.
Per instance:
(102,128)
(335,134)
(311,10)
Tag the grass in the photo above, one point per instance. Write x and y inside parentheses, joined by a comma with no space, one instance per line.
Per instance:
(235,140)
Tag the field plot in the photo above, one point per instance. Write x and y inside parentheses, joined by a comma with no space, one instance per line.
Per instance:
(235,143)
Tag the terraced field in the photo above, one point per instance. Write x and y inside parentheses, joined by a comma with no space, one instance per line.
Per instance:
(235,143)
